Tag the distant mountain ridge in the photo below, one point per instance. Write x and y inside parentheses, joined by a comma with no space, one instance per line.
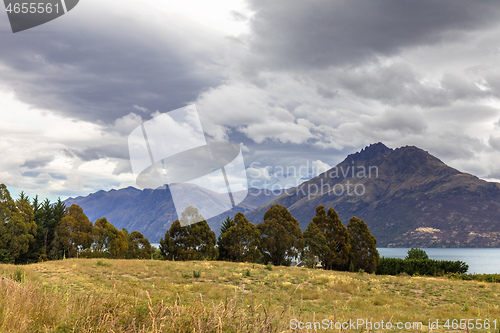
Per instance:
(410,198)
(152,211)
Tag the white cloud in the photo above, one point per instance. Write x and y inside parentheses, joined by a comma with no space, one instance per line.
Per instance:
(35,145)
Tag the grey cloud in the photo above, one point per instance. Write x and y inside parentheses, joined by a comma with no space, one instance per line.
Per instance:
(99,73)
(400,84)
(122,166)
(58,176)
(494,142)
(31,174)
(38,162)
(103,151)
(463,113)
(291,34)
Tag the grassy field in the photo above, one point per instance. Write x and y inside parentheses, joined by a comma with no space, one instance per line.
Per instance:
(99,295)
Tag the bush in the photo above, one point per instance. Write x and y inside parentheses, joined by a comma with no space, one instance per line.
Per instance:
(394,266)
(417,254)
(494,278)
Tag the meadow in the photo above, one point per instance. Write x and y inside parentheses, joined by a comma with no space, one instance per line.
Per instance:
(105,295)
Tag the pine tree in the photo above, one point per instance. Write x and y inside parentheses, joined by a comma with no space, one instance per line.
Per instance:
(224,244)
(363,254)
(281,237)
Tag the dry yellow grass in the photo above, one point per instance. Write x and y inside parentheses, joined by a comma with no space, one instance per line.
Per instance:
(99,295)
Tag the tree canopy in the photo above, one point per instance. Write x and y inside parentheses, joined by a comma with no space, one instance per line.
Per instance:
(239,242)
(281,237)
(315,245)
(336,235)
(414,253)
(17,226)
(364,254)
(74,233)
(194,241)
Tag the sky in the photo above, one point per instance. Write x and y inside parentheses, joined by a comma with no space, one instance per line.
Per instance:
(298,85)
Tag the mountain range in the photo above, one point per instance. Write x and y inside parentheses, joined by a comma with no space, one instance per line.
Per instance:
(152,211)
(407,197)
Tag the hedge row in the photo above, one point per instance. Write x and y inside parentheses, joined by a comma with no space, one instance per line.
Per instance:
(395,266)
(477,277)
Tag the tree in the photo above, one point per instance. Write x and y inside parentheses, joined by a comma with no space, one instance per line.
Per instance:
(417,254)
(118,246)
(32,213)
(194,241)
(226,224)
(363,254)
(138,246)
(17,226)
(240,242)
(281,237)
(101,232)
(109,241)
(74,233)
(54,215)
(315,245)
(223,248)
(43,213)
(171,245)
(36,248)
(336,235)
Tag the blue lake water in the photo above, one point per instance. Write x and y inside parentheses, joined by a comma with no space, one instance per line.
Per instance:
(480,261)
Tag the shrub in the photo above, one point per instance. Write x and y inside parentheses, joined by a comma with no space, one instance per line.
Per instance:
(394,266)
(414,253)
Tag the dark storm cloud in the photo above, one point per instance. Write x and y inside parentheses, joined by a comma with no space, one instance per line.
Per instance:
(99,72)
(293,34)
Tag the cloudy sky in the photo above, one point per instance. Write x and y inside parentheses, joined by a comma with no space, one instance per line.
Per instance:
(295,83)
